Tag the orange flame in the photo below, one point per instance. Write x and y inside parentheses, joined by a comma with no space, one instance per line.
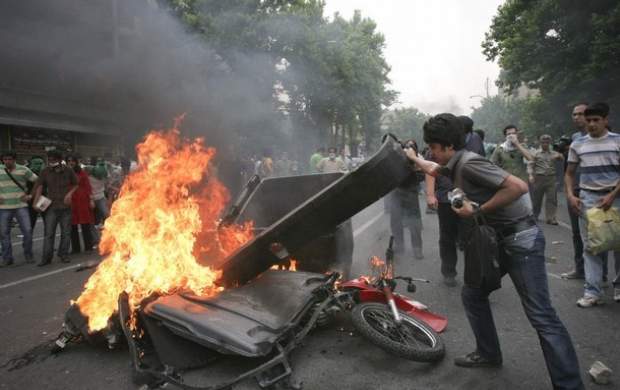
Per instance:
(163,221)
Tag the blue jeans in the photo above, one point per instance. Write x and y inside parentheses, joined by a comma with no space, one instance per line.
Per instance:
(52,218)
(594,264)
(23,219)
(522,257)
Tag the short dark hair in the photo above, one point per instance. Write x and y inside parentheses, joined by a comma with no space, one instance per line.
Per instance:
(332,149)
(600,109)
(510,127)
(445,129)
(582,103)
(468,123)
(54,154)
(9,153)
(72,156)
(480,133)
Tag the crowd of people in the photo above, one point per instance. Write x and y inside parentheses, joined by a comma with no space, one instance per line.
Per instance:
(66,193)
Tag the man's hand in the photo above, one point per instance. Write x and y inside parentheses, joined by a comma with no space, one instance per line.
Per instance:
(431,201)
(92,204)
(25,198)
(67,199)
(532,179)
(606,202)
(575,204)
(466,211)
(411,153)
(514,139)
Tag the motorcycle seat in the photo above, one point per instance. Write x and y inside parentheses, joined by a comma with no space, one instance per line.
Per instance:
(245,320)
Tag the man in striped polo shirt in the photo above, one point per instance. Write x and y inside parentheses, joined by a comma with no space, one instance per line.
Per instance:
(14,204)
(597,155)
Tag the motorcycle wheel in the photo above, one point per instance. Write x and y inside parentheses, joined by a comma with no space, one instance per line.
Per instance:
(413,339)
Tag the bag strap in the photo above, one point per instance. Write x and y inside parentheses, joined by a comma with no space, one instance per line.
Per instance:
(14,180)
(457,178)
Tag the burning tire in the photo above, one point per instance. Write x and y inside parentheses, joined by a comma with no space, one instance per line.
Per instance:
(412,339)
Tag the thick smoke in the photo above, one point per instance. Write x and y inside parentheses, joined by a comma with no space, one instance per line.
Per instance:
(136,61)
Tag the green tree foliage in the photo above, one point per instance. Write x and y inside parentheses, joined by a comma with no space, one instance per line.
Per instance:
(405,123)
(329,77)
(567,49)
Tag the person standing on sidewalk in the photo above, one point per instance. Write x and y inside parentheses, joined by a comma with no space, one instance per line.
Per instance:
(542,174)
(503,200)
(59,183)
(14,198)
(597,155)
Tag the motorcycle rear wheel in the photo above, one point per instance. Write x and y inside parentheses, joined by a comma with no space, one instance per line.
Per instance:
(413,339)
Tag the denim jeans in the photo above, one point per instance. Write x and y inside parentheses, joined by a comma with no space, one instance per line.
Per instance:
(23,219)
(52,218)
(522,257)
(101,210)
(594,265)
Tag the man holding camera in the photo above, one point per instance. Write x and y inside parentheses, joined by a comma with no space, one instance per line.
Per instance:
(502,201)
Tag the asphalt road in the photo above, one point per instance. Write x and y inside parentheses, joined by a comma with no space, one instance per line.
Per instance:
(33,302)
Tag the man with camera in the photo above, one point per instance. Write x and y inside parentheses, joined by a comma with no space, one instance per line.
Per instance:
(502,202)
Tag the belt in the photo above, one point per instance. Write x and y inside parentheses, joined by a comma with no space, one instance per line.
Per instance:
(603,191)
(520,226)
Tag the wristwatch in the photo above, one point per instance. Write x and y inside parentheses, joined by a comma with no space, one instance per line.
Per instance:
(477,210)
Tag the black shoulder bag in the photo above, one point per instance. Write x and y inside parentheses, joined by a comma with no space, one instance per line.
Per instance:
(481,246)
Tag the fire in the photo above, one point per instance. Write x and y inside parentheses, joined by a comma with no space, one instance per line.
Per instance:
(163,221)
(290,266)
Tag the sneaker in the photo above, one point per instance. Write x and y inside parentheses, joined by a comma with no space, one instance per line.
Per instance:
(417,253)
(587,301)
(449,281)
(475,360)
(572,275)
(43,263)
(617,294)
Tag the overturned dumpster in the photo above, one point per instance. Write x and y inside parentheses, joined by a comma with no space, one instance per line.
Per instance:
(261,313)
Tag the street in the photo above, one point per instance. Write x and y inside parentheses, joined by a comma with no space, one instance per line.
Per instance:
(33,301)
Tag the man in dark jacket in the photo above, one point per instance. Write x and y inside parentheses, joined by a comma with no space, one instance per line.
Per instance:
(59,183)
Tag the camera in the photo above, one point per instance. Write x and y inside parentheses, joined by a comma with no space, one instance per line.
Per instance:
(456,198)
(561,146)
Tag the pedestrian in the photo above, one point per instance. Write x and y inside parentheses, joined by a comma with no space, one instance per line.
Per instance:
(404,208)
(542,177)
(503,201)
(597,155)
(579,121)
(97,176)
(58,182)
(14,198)
(315,158)
(266,168)
(36,165)
(82,208)
(451,227)
(283,165)
(332,163)
(512,154)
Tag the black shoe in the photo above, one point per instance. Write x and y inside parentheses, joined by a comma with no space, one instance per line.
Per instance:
(43,263)
(29,259)
(474,359)
(6,263)
(65,259)
(449,281)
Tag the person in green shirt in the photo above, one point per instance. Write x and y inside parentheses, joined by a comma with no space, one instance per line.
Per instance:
(511,155)
(315,159)
(14,198)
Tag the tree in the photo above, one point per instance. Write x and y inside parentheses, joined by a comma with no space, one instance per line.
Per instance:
(567,49)
(405,123)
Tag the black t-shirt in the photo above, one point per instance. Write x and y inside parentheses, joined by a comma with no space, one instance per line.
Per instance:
(480,180)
